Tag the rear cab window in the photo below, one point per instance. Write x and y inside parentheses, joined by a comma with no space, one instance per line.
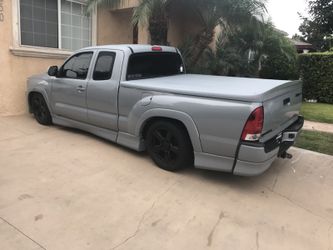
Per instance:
(154,64)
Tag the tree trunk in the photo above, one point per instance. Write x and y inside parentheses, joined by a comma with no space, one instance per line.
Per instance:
(158,29)
(202,42)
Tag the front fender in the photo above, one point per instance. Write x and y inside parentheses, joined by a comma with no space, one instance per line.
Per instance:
(171,114)
(42,87)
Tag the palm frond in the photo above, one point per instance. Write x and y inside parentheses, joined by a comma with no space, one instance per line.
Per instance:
(148,8)
(92,4)
(142,12)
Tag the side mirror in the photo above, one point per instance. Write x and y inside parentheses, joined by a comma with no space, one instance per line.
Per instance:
(53,71)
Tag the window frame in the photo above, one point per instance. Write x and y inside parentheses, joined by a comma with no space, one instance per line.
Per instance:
(19,49)
(70,58)
(95,64)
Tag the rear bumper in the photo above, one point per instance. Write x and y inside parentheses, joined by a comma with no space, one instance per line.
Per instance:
(255,158)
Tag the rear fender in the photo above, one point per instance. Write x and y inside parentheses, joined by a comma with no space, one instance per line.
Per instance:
(171,114)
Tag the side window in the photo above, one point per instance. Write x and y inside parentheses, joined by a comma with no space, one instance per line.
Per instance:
(104,66)
(76,67)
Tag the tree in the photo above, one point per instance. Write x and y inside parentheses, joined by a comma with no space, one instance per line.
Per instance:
(251,52)
(229,15)
(298,37)
(319,25)
(154,13)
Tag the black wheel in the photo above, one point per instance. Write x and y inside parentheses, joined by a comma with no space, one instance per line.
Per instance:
(169,145)
(40,109)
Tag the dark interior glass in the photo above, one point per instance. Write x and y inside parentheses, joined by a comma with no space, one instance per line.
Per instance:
(104,66)
(154,64)
(76,67)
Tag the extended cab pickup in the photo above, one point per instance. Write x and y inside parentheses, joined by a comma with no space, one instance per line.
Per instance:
(139,96)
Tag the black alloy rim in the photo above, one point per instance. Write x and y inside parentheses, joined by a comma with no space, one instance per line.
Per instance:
(165,145)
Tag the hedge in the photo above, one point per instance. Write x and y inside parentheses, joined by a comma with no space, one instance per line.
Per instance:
(279,67)
(317,74)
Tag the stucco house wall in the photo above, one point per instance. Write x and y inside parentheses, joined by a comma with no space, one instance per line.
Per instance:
(15,69)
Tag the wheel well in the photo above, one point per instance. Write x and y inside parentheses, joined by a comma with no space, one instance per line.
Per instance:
(31,94)
(152,120)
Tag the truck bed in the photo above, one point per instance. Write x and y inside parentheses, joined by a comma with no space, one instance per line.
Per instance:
(221,87)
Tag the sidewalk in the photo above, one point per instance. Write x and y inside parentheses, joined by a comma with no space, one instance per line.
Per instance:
(317,126)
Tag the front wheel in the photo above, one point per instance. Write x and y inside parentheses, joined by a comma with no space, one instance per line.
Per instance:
(40,109)
(169,145)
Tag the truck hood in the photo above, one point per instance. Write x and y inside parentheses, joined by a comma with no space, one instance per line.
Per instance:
(43,76)
(221,87)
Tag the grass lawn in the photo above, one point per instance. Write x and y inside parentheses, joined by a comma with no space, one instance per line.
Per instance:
(317,112)
(316,141)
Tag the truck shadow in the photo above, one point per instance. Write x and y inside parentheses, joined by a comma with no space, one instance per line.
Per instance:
(264,181)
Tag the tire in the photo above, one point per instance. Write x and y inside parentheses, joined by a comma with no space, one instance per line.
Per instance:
(40,110)
(169,145)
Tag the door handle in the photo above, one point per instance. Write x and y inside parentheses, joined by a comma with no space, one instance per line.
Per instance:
(80,89)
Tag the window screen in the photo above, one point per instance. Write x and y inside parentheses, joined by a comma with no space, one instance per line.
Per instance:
(39,23)
(154,64)
(76,67)
(75,26)
(104,66)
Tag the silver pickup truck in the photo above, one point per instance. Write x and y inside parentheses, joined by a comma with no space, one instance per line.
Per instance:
(140,96)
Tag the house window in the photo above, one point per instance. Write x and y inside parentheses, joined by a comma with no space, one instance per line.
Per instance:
(55,24)
(75,26)
(39,23)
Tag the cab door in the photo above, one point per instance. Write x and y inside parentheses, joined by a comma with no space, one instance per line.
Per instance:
(102,90)
(69,88)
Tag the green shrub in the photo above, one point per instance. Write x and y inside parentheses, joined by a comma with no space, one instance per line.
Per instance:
(317,74)
(279,67)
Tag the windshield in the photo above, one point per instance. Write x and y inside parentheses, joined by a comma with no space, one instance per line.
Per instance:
(154,64)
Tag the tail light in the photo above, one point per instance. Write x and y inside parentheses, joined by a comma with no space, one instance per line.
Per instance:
(254,125)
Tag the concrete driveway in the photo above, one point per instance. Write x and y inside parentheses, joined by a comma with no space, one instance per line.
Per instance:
(64,189)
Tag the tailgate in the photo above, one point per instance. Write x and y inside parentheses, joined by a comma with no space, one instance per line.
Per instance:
(282,106)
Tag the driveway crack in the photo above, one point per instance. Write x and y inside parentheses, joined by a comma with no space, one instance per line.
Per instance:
(257,240)
(275,182)
(329,238)
(143,217)
(211,234)
(25,235)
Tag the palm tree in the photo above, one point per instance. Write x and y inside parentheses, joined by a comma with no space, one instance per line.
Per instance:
(230,15)
(153,13)
(245,51)
(206,14)
(149,12)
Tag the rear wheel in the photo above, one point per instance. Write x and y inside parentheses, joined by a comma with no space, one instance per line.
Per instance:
(169,145)
(40,109)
